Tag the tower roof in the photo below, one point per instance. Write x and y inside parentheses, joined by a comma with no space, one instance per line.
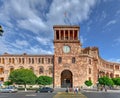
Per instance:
(66,26)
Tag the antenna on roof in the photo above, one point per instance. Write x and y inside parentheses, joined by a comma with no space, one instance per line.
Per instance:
(66,19)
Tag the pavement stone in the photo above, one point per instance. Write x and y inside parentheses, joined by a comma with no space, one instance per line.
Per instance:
(110,91)
(69,95)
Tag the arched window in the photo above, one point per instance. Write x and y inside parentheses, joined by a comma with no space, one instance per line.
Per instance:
(2,60)
(11,69)
(1,70)
(41,70)
(9,60)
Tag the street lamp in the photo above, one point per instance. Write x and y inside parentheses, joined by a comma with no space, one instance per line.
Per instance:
(1,31)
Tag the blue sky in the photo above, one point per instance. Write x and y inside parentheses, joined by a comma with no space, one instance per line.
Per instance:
(28,25)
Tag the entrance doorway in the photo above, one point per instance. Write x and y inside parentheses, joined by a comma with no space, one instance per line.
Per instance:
(66,79)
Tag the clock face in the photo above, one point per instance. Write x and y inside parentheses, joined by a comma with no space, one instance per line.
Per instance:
(66,49)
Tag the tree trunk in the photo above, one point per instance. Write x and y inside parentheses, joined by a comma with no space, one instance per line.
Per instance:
(25,87)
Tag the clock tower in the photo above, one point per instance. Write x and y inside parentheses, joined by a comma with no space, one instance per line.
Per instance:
(67,48)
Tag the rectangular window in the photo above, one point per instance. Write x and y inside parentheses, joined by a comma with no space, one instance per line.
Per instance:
(48,60)
(39,60)
(52,61)
(73,60)
(32,60)
(71,34)
(19,60)
(42,60)
(29,60)
(75,35)
(57,34)
(90,61)
(60,60)
(62,35)
(89,70)
(66,34)
(117,67)
(23,60)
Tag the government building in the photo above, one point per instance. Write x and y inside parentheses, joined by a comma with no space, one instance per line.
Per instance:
(70,65)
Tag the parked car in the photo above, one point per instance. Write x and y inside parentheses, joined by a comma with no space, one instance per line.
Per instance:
(45,89)
(9,89)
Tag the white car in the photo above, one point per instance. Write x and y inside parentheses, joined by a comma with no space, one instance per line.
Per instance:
(9,89)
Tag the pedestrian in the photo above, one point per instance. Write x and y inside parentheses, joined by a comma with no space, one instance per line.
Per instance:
(74,89)
(67,90)
(77,90)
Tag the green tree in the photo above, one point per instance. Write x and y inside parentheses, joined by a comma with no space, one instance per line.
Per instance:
(23,76)
(1,31)
(44,80)
(88,82)
(7,83)
(105,81)
(116,81)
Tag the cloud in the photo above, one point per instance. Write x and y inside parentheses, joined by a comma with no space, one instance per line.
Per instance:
(38,50)
(116,42)
(114,60)
(30,18)
(22,43)
(76,11)
(26,13)
(44,41)
(82,39)
(111,22)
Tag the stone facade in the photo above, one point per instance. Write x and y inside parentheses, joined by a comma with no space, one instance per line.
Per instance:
(70,65)
(40,64)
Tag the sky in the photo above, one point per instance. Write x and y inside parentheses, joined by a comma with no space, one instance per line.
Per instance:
(28,25)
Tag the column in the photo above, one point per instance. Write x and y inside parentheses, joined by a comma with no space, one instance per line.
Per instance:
(73,34)
(64,34)
(59,34)
(68,34)
(77,35)
(54,34)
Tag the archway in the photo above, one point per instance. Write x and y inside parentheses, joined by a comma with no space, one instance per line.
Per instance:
(66,79)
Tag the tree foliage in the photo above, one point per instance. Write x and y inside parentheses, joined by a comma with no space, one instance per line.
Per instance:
(106,81)
(1,31)
(88,82)
(23,76)
(116,81)
(7,83)
(44,80)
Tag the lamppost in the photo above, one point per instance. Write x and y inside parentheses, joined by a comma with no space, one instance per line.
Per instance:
(1,31)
